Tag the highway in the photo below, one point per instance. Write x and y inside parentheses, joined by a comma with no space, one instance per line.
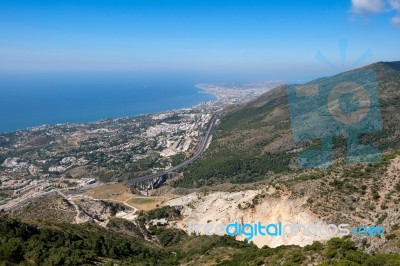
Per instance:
(194,157)
(16,203)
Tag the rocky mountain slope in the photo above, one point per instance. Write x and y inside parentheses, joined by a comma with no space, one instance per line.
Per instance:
(256,140)
(254,144)
(249,173)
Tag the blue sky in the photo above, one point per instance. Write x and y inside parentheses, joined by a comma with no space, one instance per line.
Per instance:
(255,40)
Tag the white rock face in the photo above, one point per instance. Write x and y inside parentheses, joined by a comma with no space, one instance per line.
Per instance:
(34,170)
(223,208)
(68,160)
(11,162)
(57,169)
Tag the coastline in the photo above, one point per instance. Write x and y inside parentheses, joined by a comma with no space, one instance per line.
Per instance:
(219,95)
(201,104)
(204,89)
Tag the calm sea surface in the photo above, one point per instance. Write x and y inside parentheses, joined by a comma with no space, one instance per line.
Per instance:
(37,99)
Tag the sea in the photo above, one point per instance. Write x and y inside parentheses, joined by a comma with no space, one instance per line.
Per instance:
(35,99)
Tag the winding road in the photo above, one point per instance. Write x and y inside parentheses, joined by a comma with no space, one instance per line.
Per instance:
(196,155)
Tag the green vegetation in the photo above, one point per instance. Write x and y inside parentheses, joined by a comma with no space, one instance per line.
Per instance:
(88,244)
(169,237)
(250,144)
(235,168)
(255,140)
(163,212)
(140,201)
(177,158)
(125,227)
(106,176)
(72,245)
(142,167)
(3,157)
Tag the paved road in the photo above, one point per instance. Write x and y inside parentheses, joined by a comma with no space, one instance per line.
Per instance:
(22,201)
(195,156)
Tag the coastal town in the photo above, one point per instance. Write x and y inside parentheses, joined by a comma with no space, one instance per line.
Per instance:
(76,157)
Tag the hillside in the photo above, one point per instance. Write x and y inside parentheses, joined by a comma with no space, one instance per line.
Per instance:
(23,243)
(255,141)
(249,173)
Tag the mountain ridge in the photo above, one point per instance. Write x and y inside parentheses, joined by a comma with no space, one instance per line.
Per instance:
(262,127)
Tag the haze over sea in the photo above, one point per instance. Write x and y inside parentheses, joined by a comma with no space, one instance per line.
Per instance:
(35,99)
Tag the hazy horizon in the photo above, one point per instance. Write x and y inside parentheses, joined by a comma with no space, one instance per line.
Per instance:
(224,41)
